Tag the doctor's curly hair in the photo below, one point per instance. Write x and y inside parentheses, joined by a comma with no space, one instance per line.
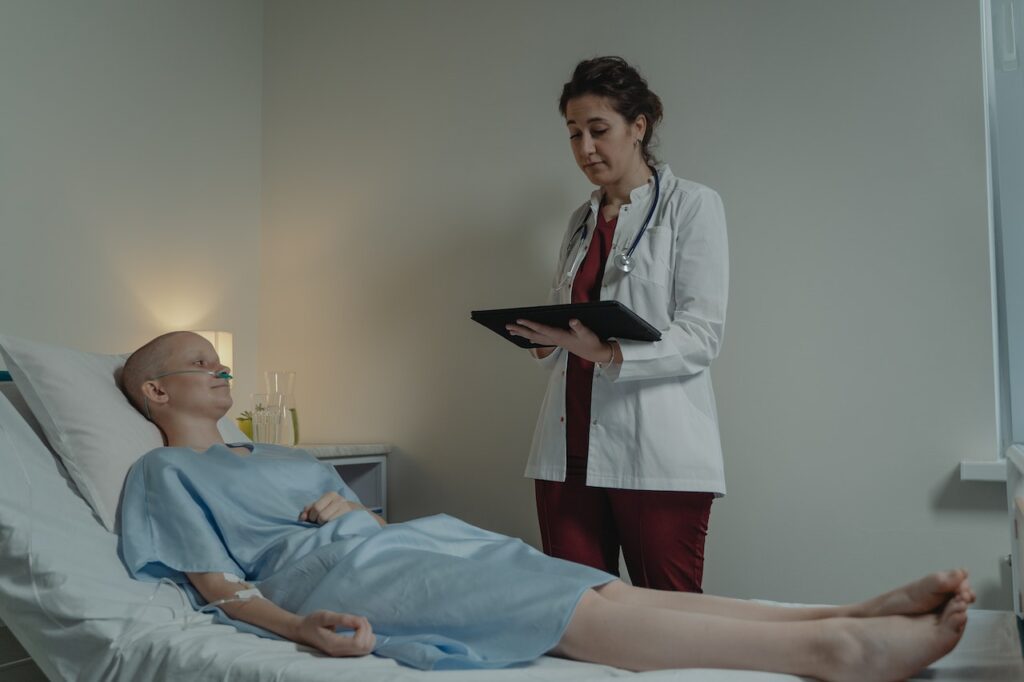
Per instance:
(614,78)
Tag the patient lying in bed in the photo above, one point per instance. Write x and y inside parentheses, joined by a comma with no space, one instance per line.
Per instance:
(440,593)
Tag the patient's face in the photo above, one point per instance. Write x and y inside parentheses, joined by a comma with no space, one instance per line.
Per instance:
(196,393)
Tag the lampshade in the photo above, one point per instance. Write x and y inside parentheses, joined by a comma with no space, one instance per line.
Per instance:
(222,343)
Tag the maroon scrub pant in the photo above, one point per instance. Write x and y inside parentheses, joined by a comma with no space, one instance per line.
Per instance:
(661,533)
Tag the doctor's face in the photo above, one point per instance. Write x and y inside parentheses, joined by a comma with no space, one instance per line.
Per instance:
(603,142)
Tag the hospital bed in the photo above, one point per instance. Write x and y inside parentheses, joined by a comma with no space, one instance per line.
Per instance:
(67,598)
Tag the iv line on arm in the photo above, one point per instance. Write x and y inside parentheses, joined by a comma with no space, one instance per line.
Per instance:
(241,595)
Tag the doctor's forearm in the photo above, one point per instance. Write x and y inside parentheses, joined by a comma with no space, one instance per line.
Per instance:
(677,355)
(541,353)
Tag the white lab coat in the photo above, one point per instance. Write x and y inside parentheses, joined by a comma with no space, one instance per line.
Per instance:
(654,423)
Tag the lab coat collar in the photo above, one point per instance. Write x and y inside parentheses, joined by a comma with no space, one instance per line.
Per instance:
(639,193)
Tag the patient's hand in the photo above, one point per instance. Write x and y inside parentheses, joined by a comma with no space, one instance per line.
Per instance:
(330,506)
(317,630)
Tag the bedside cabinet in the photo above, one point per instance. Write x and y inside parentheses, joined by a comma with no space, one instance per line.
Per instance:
(363,466)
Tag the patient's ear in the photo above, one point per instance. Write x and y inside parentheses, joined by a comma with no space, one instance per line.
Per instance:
(154,393)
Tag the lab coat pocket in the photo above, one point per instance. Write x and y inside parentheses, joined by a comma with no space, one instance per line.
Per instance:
(676,432)
(652,256)
(696,391)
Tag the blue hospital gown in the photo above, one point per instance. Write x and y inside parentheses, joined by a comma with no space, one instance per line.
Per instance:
(438,592)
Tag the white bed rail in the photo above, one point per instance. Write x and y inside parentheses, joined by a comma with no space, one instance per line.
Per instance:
(1015,501)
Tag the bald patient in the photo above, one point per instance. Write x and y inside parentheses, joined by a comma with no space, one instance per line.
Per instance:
(436,592)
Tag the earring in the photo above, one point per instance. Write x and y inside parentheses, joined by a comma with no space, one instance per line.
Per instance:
(636,142)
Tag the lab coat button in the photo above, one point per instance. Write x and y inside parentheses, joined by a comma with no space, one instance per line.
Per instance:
(562,418)
(595,422)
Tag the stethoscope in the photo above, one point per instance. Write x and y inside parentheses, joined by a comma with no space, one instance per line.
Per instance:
(624,261)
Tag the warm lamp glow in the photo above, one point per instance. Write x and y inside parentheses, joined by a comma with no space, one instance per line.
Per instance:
(222,343)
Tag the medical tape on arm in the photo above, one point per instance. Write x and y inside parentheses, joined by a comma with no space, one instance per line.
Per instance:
(247,594)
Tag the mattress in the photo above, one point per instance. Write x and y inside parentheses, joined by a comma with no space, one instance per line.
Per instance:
(69,600)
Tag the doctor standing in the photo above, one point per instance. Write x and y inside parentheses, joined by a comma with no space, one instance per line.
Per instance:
(626,453)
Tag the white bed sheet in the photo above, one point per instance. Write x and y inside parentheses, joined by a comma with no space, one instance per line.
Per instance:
(93,625)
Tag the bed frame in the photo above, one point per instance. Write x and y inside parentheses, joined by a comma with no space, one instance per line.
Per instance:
(991,628)
(15,663)
(1015,503)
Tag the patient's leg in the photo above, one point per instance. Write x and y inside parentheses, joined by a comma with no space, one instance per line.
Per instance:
(726,607)
(840,649)
(921,596)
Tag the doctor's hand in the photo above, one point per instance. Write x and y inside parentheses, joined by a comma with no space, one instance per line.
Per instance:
(317,630)
(578,340)
(330,506)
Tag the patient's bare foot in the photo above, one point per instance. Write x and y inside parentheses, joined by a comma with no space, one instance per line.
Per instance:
(891,647)
(925,595)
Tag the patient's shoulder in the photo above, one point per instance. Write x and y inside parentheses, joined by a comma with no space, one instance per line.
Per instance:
(275,450)
(162,457)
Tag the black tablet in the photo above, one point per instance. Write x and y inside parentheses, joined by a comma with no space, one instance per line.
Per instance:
(607,319)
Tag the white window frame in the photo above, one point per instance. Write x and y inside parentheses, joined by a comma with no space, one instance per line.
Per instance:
(1002,44)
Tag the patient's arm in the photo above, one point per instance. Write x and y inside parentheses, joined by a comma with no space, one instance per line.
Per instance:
(315,630)
(331,505)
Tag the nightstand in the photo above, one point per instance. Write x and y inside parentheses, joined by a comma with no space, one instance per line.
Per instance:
(364,466)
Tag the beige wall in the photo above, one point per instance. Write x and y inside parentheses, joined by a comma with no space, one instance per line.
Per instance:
(130,171)
(415,168)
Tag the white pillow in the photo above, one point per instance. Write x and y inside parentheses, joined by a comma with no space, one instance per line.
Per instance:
(86,418)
